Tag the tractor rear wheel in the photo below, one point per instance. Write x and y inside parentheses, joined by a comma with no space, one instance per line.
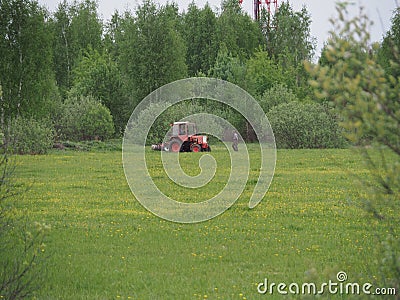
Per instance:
(195,148)
(175,146)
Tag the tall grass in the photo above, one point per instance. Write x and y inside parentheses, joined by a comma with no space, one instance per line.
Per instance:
(104,245)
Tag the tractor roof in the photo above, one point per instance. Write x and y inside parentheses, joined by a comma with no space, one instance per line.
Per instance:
(177,123)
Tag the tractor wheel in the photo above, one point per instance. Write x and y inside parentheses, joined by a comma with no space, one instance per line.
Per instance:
(195,148)
(175,147)
(208,149)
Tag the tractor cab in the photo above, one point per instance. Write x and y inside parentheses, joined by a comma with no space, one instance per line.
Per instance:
(183,130)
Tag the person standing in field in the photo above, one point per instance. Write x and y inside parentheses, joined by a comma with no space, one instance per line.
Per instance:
(235,140)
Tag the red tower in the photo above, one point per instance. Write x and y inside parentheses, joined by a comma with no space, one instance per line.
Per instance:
(272,6)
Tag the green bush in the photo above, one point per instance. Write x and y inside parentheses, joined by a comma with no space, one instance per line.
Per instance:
(29,136)
(85,119)
(276,95)
(160,125)
(298,125)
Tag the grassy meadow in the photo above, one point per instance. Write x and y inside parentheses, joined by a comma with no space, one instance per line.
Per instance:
(104,245)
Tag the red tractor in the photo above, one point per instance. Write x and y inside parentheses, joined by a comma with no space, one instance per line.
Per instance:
(183,137)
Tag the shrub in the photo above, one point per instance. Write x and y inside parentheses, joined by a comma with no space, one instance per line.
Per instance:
(276,95)
(30,136)
(160,125)
(85,119)
(298,125)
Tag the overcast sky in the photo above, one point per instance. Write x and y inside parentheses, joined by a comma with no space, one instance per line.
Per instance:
(379,11)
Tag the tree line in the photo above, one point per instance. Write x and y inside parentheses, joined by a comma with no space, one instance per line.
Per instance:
(82,76)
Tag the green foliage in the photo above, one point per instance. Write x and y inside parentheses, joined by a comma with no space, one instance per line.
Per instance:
(199,31)
(290,37)
(97,75)
(390,259)
(366,95)
(112,34)
(289,43)
(76,27)
(29,136)
(152,51)
(85,118)
(26,73)
(69,53)
(159,128)
(228,67)
(263,73)
(388,53)
(86,26)
(277,94)
(22,255)
(357,86)
(21,243)
(298,125)
(237,30)
(91,145)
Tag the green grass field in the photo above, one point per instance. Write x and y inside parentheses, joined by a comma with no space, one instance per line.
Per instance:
(104,245)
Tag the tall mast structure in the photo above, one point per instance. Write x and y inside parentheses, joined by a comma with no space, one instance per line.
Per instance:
(272,6)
